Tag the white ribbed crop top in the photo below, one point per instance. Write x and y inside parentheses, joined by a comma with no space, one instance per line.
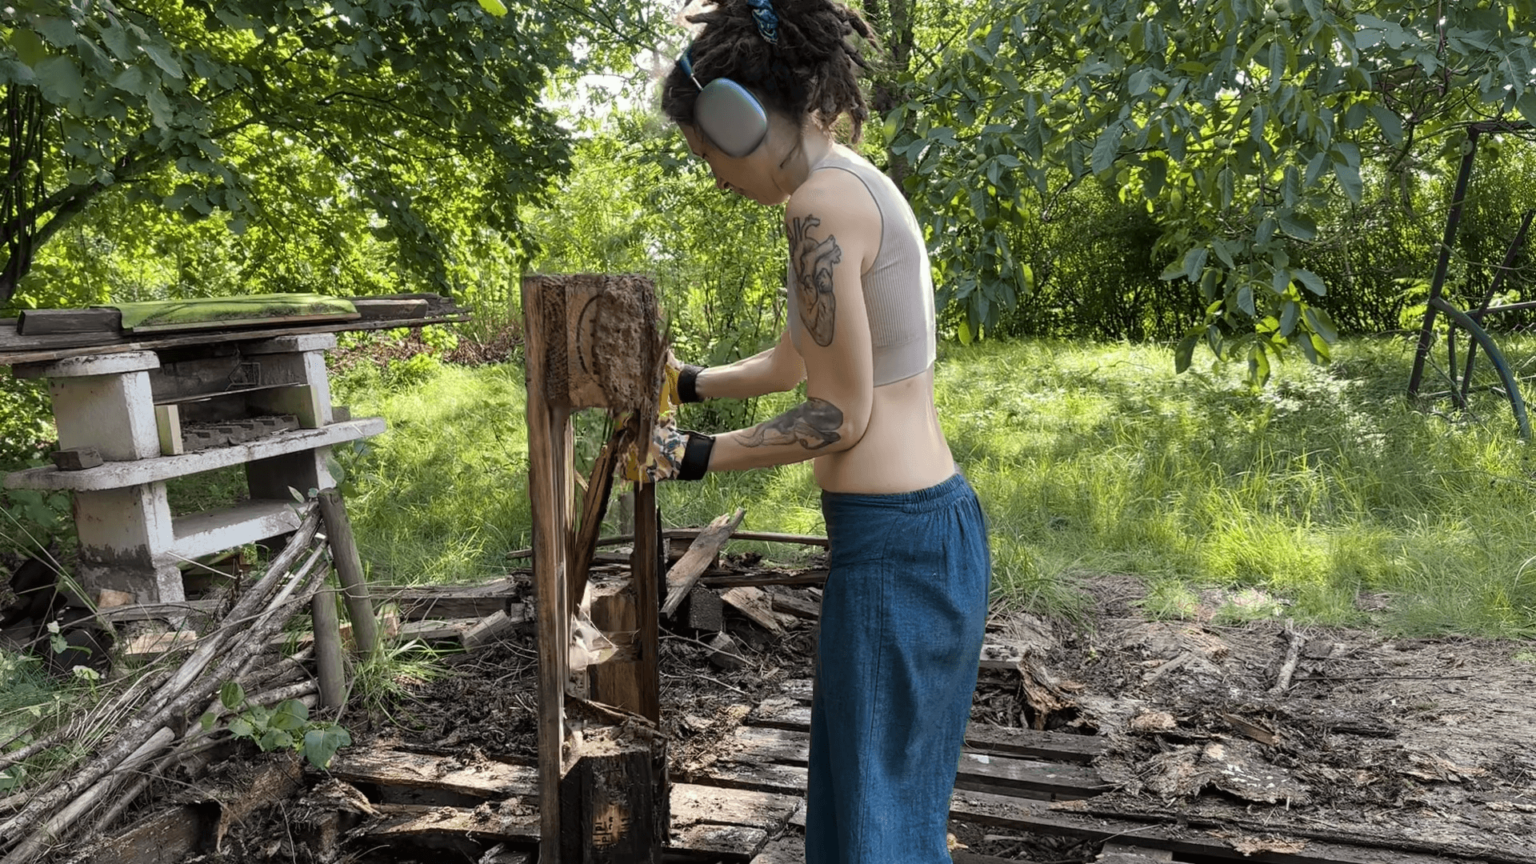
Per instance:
(898,287)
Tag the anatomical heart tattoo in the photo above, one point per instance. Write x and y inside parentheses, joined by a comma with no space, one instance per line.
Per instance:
(813,261)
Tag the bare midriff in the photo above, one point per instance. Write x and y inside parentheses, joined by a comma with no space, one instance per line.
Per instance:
(902,450)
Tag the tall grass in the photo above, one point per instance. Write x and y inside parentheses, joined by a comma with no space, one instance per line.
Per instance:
(1089,459)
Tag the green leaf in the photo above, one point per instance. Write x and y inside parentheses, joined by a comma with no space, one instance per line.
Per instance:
(964,332)
(59,79)
(59,31)
(1141,81)
(1527,105)
(163,58)
(1298,225)
(1289,316)
(1194,262)
(1245,299)
(29,49)
(1391,125)
(1280,281)
(1349,179)
(495,7)
(1311,281)
(208,720)
(116,40)
(241,728)
(275,739)
(1156,174)
(132,80)
(1184,354)
(232,695)
(1106,149)
(1321,324)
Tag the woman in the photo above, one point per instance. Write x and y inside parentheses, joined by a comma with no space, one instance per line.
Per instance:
(905,603)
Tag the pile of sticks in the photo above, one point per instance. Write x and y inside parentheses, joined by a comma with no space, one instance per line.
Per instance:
(151,724)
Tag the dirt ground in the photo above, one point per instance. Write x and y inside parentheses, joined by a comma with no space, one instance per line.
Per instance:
(1421,743)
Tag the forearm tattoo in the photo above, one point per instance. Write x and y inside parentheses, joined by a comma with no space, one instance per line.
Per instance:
(814,425)
(813,261)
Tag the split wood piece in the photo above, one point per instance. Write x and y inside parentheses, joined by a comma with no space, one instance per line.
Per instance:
(489,631)
(613,800)
(456,601)
(328,656)
(550,472)
(483,779)
(756,605)
(617,681)
(54,322)
(796,606)
(686,572)
(274,781)
(1295,640)
(1119,853)
(168,427)
(349,570)
(486,631)
(1058,819)
(763,578)
(594,506)
(645,580)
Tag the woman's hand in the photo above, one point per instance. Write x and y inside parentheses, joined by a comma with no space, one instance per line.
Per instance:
(661,457)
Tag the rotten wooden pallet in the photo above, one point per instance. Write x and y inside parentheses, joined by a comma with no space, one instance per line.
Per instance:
(758,747)
(979,737)
(1013,813)
(457,601)
(400,769)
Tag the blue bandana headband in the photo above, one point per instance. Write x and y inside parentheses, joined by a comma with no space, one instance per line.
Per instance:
(767,21)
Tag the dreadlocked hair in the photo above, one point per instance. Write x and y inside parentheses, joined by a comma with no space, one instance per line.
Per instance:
(812,72)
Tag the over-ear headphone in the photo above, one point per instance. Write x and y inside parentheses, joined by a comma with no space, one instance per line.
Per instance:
(726,112)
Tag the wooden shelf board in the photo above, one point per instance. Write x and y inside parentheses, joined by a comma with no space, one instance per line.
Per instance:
(119,475)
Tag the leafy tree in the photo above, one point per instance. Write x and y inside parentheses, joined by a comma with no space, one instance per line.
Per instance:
(416,122)
(1237,122)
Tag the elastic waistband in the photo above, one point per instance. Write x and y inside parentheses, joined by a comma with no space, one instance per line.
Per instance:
(918,501)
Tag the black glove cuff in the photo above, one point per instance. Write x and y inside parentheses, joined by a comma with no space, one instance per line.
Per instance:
(695,457)
(687,383)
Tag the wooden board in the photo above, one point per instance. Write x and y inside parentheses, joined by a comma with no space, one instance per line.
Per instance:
(456,601)
(760,578)
(755,777)
(485,779)
(789,849)
(732,842)
(709,805)
(1038,817)
(979,737)
(686,572)
(984,772)
(16,350)
(167,837)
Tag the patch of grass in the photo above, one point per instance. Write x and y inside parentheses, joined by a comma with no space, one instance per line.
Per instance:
(1088,459)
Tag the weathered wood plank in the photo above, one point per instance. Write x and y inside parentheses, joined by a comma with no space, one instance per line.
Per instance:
(983,772)
(16,350)
(756,777)
(119,475)
(380,309)
(710,805)
(54,322)
(796,606)
(550,461)
(979,737)
(167,837)
(484,779)
(248,522)
(1118,853)
(1017,814)
(645,569)
(437,827)
(456,601)
(686,572)
(761,578)
(789,849)
(754,604)
(739,842)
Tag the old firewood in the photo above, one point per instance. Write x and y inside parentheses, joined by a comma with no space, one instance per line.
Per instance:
(686,572)
(756,605)
(349,570)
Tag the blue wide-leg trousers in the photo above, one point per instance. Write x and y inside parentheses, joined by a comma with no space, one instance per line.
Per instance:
(902,620)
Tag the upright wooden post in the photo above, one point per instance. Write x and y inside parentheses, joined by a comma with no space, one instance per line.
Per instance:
(349,570)
(549,460)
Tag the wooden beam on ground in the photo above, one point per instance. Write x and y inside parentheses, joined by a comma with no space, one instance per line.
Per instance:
(54,322)
(484,779)
(456,601)
(762,578)
(685,573)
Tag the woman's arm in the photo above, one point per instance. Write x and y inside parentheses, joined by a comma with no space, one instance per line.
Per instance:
(773,371)
(832,226)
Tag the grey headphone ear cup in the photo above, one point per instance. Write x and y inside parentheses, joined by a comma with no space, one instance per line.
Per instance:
(731,117)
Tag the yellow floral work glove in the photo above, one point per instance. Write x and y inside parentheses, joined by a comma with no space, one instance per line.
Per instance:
(670,454)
